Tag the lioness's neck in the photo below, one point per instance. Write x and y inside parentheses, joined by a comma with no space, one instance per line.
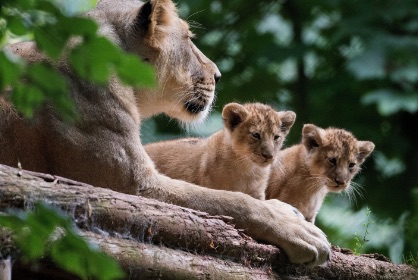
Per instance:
(148,103)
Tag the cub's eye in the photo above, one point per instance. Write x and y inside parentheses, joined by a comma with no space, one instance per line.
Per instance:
(332,160)
(351,165)
(255,135)
(276,137)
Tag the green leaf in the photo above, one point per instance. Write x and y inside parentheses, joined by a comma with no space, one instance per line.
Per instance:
(21,4)
(49,6)
(78,26)
(67,254)
(13,222)
(46,77)
(78,257)
(105,267)
(27,98)
(16,25)
(134,72)
(49,40)
(9,71)
(94,59)
(34,231)
(55,88)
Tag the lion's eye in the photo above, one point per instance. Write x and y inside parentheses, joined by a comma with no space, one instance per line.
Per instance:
(351,165)
(332,160)
(276,137)
(255,135)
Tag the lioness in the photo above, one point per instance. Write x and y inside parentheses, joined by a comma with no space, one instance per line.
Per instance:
(325,161)
(236,158)
(104,147)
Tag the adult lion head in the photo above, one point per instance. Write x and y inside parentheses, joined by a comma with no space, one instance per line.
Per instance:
(153,30)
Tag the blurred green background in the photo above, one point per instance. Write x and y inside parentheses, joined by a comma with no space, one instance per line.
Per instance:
(347,64)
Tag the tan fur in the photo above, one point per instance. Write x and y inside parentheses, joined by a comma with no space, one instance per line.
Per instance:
(237,158)
(326,161)
(104,149)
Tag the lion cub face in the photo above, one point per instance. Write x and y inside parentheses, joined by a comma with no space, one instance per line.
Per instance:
(257,131)
(154,31)
(334,155)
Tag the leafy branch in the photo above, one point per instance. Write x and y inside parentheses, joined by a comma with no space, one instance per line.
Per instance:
(46,231)
(93,57)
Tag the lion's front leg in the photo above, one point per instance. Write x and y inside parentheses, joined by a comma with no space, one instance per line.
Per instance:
(273,221)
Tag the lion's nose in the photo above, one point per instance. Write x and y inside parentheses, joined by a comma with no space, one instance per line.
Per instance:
(217,76)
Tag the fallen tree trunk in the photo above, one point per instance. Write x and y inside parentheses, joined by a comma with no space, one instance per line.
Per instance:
(214,241)
(151,261)
(128,216)
(148,261)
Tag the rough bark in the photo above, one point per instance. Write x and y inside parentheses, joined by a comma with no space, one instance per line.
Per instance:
(148,261)
(194,244)
(151,261)
(128,216)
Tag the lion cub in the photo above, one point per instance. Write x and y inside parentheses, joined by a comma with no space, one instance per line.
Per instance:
(325,161)
(237,158)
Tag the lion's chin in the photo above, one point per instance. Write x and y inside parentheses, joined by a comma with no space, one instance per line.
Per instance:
(187,116)
(337,188)
(195,108)
(192,110)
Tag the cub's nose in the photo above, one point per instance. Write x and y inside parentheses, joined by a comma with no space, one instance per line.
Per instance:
(267,155)
(339,181)
(217,76)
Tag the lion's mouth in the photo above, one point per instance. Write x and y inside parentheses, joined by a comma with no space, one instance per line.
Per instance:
(195,107)
(337,188)
(202,98)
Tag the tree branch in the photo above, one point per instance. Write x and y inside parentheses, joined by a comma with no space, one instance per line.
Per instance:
(199,244)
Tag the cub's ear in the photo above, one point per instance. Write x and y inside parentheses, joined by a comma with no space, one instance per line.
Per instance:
(153,14)
(313,136)
(365,149)
(288,119)
(233,114)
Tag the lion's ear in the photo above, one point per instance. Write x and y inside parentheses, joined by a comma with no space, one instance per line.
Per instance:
(313,136)
(288,119)
(233,114)
(155,13)
(365,149)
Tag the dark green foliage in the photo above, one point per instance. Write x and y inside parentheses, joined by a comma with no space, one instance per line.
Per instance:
(47,232)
